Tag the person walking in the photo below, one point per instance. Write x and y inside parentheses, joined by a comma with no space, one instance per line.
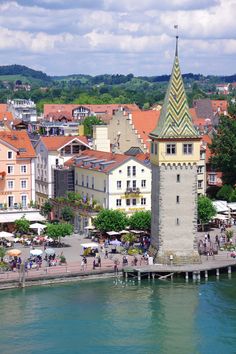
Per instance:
(82,265)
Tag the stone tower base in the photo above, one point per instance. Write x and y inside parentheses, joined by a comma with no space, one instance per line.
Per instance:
(174,258)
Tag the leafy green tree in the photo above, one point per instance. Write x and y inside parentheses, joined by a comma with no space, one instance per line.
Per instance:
(206,210)
(73,196)
(110,220)
(22,225)
(140,220)
(67,213)
(46,208)
(2,253)
(223,149)
(225,192)
(88,124)
(56,231)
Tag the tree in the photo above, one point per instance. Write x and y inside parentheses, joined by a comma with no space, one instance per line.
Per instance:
(206,210)
(56,231)
(67,213)
(88,124)
(225,192)
(140,220)
(223,149)
(110,220)
(22,225)
(2,253)
(46,208)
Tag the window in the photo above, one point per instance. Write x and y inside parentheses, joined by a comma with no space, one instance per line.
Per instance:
(200,184)
(128,184)
(120,171)
(128,170)
(155,149)
(152,147)
(92,182)
(118,184)
(24,200)
(118,202)
(134,184)
(170,149)
(87,181)
(212,178)
(10,155)
(10,200)
(178,178)
(187,149)
(143,183)
(10,184)
(200,169)
(177,221)
(10,169)
(82,179)
(57,162)
(127,201)
(134,201)
(134,170)
(143,201)
(23,169)
(177,199)
(104,186)
(23,184)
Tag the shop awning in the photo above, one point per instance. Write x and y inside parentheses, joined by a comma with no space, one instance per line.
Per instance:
(13,216)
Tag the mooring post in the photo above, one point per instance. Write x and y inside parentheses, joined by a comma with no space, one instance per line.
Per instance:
(206,274)
(153,276)
(217,272)
(198,275)
(186,276)
(126,275)
(149,275)
(139,276)
(194,276)
(229,270)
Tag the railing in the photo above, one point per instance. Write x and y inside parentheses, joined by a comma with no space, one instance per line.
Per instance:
(132,190)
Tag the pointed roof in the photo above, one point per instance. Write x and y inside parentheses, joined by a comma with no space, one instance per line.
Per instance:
(175,120)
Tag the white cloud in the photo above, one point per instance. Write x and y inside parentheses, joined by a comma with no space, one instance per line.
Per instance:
(98,36)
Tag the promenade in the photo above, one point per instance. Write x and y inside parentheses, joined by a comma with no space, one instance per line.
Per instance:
(72,269)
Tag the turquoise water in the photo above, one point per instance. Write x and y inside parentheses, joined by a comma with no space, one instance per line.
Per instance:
(108,317)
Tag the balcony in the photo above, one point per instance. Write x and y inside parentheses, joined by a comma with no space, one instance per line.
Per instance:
(132,191)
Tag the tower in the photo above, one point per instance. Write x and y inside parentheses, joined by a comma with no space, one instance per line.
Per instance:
(175,151)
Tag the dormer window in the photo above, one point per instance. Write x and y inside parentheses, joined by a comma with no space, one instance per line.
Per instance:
(10,155)
(170,149)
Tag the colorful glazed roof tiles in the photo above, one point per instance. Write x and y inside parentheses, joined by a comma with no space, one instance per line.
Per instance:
(175,120)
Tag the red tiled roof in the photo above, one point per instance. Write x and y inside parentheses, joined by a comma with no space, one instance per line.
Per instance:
(3,107)
(222,104)
(20,141)
(96,108)
(117,159)
(53,143)
(144,122)
(57,116)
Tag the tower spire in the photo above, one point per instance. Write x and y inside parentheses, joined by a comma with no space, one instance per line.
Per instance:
(177,38)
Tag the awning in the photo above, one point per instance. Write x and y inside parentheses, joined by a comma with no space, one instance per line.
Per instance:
(221,217)
(113,233)
(15,215)
(232,206)
(90,245)
(221,206)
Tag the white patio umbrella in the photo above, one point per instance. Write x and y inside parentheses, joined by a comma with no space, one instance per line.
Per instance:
(50,251)
(115,243)
(36,252)
(6,235)
(38,227)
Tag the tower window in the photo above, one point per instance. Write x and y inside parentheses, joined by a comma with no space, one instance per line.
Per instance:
(170,149)
(178,178)
(177,199)
(152,147)
(155,149)
(177,221)
(187,149)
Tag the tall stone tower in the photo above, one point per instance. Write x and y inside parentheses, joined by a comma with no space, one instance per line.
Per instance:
(175,151)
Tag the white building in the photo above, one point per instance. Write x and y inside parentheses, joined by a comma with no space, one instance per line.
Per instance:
(23,109)
(51,154)
(115,181)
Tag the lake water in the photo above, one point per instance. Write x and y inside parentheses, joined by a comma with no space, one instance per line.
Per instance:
(108,317)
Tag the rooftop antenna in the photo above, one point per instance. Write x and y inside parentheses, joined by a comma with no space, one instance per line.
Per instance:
(176,27)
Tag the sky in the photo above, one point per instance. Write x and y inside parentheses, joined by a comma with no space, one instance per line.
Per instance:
(62,37)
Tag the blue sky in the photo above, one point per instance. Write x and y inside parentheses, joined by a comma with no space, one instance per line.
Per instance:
(94,37)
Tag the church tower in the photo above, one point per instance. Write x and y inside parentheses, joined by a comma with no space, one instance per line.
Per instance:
(175,151)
